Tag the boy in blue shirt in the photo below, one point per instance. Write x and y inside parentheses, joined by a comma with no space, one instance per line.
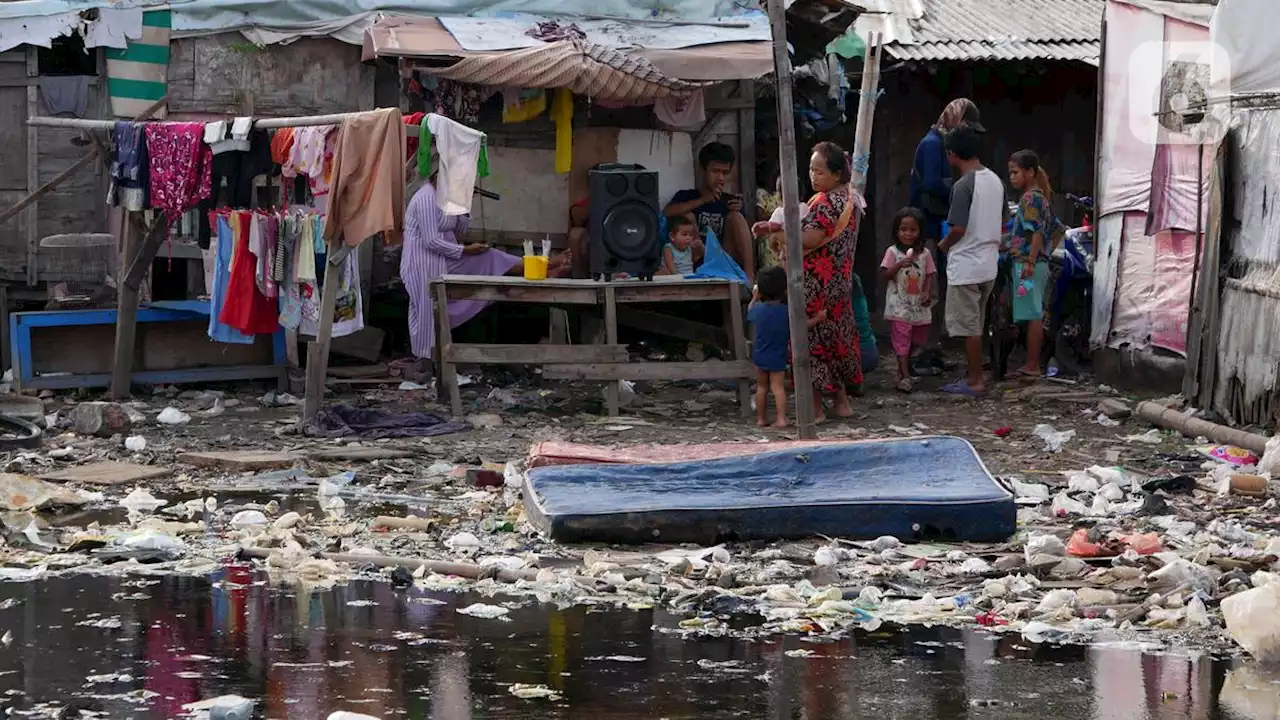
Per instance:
(771,350)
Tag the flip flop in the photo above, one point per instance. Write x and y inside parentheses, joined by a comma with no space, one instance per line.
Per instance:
(961,387)
(904,386)
(1022,372)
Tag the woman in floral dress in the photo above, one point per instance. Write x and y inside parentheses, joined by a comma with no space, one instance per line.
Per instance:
(830,229)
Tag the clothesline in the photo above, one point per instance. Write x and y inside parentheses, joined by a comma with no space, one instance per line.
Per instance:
(258,123)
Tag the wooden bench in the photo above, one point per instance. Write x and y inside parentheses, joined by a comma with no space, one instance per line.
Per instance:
(608,362)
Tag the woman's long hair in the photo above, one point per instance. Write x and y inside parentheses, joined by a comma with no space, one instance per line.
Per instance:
(1028,160)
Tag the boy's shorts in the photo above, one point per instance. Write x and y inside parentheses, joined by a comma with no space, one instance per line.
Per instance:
(1029,306)
(967,308)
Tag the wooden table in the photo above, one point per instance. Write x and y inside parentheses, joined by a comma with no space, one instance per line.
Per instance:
(608,362)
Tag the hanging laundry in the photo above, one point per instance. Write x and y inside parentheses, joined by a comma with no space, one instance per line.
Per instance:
(281,145)
(522,105)
(245,309)
(410,142)
(368,179)
(459,148)
(65,93)
(305,269)
(238,171)
(458,101)
(222,251)
(348,309)
(181,166)
(129,168)
(562,116)
(311,156)
(686,113)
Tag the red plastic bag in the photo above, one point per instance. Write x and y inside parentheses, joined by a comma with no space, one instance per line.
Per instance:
(1079,546)
(1148,544)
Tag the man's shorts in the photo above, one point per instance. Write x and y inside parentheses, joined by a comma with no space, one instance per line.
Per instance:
(967,308)
(1028,302)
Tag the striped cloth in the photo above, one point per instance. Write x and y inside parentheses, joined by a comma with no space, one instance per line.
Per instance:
(139,75)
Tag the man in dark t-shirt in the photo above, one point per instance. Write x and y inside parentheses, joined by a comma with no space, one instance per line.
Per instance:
(714,209)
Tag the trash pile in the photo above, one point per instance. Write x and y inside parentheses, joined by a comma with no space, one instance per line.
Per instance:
(1102,553)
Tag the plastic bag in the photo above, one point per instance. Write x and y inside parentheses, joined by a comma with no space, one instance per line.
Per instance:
(1053,439)
(1253,619)
(1044,545)
(1270,462)
(1064,504)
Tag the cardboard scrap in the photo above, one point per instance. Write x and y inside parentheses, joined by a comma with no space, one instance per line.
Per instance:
(108,473)
(240,460)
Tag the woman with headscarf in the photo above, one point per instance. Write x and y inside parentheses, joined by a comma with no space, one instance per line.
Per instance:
(931,174)
(828,233)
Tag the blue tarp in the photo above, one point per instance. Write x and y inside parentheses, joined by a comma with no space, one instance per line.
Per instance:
(933,488)
(717,265)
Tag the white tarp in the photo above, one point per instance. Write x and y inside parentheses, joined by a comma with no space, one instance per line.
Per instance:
(113,28)
(1243,29)
(508,32)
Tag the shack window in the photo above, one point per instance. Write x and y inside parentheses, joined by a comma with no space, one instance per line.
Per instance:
(68,56)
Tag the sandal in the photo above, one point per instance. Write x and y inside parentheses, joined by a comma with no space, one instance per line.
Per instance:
(904,385)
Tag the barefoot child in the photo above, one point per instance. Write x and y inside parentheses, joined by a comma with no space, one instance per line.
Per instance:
(770,352)
(677,256)
(908,270)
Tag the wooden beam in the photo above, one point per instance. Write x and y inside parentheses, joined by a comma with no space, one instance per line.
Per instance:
(318,349)
(126,315)
(462,354)
(672,326)
(154,238)
(669,371)
(31,222)
(800,365)
(612,392)
(747,150)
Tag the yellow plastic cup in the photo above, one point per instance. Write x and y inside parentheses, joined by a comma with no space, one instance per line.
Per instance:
(535,267)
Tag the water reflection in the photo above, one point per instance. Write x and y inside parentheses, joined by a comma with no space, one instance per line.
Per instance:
(141,648)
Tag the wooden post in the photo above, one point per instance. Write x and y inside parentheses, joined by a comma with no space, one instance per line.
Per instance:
(126,309)
(867,99)
(747,151)
(448,372)
(30,223)
(318,349)
(791,204)
(613,389)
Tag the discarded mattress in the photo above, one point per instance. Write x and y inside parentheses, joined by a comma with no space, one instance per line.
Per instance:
(555,452)
(926,488)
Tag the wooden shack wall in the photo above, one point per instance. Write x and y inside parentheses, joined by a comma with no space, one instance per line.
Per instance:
(30,157)
(1053,114)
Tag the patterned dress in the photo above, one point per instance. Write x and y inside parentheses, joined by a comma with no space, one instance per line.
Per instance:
(828,284)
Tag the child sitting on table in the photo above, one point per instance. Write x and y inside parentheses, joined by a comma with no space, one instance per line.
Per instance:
(770,350)
(677,255)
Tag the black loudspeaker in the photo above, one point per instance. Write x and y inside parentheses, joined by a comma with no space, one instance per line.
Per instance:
(623,205)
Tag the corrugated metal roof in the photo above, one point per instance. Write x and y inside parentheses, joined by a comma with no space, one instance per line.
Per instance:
(969,30)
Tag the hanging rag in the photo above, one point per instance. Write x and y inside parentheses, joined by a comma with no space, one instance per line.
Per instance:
(553,31)
(424,153)
(459,148)
(562,116)
(686,113)
(129,167)
(181,166)
(522,105)
(368,179)
(411,143)
(238,170)
(65,93)
(281,145)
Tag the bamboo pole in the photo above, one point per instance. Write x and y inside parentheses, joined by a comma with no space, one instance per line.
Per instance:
(791,214)
(1164,417)
(867,99)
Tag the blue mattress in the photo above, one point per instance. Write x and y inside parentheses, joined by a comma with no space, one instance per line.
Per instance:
(927,488)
